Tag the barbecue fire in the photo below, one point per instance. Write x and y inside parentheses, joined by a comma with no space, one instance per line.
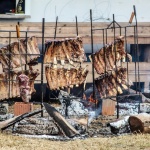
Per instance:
(90,99)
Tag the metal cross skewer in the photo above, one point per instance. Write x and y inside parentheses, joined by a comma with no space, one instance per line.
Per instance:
(18,37)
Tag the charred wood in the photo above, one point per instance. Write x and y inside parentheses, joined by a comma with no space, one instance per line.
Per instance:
(8,123)
(140,123)
(60,121)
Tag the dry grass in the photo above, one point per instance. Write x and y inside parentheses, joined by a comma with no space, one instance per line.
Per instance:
(129,142)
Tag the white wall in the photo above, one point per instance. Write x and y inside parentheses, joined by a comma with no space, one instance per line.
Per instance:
(66,10)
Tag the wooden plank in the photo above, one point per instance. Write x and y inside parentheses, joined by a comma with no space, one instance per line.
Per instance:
(69,30)
(86,39)
(71,24)
(72,30)
(108,107)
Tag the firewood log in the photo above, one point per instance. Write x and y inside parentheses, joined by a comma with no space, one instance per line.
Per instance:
(140,123)
(61,122)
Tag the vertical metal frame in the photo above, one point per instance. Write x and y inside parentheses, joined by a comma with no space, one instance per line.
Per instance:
(113,26)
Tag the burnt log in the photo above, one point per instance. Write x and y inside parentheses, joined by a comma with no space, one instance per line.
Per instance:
(140,123)
(10,122)
(7,122)
(119,126)
(60,121)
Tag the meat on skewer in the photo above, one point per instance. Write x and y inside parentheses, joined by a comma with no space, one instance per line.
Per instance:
(109,56)
(15,59)
(62,77)
(65,50)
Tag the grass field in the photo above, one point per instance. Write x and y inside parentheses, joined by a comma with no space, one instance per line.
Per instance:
(128,142)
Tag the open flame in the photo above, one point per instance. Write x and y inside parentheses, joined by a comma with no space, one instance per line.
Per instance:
(90,99)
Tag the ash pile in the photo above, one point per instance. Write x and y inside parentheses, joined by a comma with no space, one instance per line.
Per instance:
(72,121)
(68,121)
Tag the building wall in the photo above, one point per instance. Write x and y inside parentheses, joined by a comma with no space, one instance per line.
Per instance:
(66,10)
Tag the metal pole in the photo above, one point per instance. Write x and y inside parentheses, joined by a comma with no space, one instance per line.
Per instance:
(104,48)
(115,64)
(92,53)
(126,56)
(106,36)
(80,62)
(76,26)
(56,27)
(42,65)
(135,56)
(26,50)
(9,66)
(137,49)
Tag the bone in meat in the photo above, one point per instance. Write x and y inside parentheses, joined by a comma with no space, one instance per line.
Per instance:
(15,60)
(67,50)
(47,55)
(14,91)
(61,77)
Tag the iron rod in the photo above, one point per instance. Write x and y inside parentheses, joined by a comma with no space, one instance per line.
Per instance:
(77,33)
(56,27)
(42,65)
(115,27)
(76,26)
(137,49)
(135,56)
(115,64)
(93,74)
(26,50)
(104,56)
(9,66)
(106,36)
(126,56)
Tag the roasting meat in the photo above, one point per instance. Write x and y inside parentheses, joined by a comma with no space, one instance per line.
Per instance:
(107,57)
(18,87)
(112,83)
(61,77)
(13,57)
(24,87)
(66,50)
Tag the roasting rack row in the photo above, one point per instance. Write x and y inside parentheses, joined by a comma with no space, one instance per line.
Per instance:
(113,26)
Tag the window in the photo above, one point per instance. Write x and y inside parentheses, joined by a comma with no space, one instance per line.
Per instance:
(12,6)
(7,6)
(144,52)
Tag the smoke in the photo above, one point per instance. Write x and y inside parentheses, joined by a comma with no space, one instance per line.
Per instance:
(94,106)
(93,114)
